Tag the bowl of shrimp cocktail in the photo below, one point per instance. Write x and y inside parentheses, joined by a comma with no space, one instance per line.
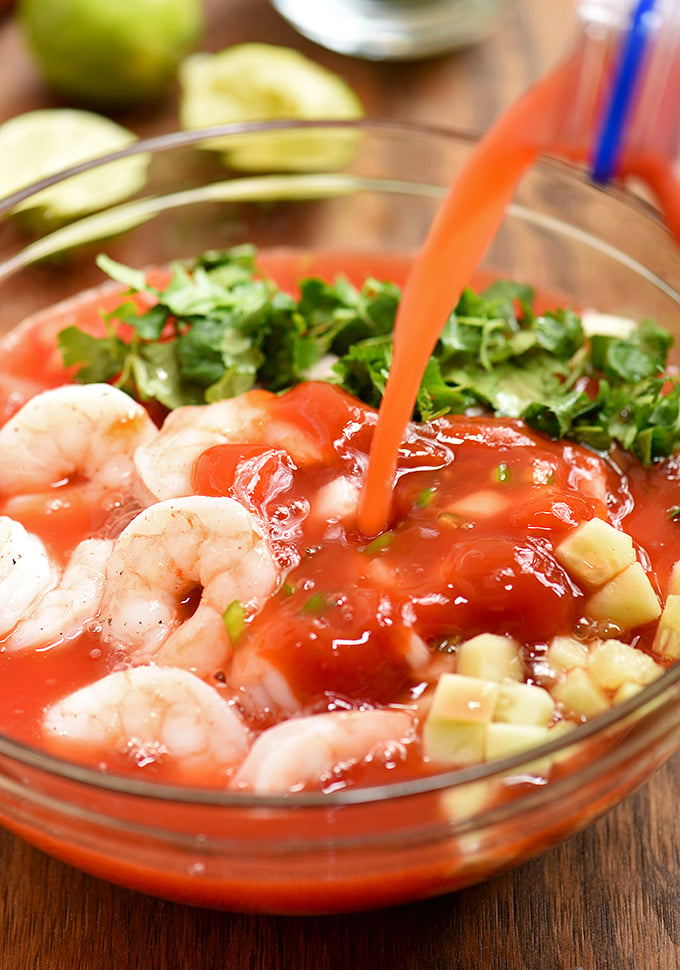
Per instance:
(314,598)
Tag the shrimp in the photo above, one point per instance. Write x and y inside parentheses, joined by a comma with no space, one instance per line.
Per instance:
(170,550)
(262,687)
(26,572)
(313,750)
(63,611)
(165,463)
(89,430)
(152,714)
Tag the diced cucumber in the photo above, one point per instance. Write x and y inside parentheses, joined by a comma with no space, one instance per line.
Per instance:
(503,740)
(454,742)
(628,600)
(613,663)
(454,731)
(480,505)
(595,552)
(667,638)
(468,800)
(626,691)
(467,699)
(524,704)
(580,695)
(490,657)
(565,653)
(674,580)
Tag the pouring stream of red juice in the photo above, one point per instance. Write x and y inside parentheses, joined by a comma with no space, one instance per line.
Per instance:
(460,235)
(458,239)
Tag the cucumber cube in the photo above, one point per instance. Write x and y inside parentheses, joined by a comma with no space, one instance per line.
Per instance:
(454,742)
(454,731)
(674,580)
(613,663)
(467,699)
(480,505)
(667,638)
(524,704)
(503,740)
(565,653)
(595,552)
(490,657)
(580,695)
(626,691)
(628,600)
(468,800)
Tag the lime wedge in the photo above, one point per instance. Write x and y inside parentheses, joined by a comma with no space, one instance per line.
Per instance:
(42,143)
(263,82)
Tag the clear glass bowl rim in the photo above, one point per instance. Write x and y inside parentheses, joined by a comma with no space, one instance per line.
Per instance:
(439,781)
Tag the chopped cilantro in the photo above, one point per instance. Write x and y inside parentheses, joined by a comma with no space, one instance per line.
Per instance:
(425,497)
(383,541)
(316,603)
(219,327)
(234,618)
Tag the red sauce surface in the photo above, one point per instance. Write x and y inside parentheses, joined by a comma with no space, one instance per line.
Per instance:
(442,572)
(479,505)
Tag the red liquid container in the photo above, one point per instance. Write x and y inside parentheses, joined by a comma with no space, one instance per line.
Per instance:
(613,105)
(621,105)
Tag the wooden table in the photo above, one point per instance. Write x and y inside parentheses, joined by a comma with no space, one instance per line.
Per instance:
(607,899)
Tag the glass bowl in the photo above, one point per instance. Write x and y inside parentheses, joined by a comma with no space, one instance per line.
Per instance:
(368,189)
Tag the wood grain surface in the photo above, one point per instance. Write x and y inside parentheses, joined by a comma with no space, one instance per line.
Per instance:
(607,899)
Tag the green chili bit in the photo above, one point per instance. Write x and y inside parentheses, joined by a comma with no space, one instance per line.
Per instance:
(234,618)
(316,603)
(383,541)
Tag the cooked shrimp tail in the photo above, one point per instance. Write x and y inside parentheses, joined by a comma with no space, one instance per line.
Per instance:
(63,611)
(89,430)
(311,751)
(171,551)
(152,714)
(26,572)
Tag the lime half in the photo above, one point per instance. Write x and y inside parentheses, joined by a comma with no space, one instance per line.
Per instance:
(263,82)
(38,144)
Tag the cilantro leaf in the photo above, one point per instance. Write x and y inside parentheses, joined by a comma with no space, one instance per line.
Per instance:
(219,327)
(364,369)
(99,359)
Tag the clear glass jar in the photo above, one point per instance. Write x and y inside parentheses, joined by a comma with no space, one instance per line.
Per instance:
(625,101)
(393,29)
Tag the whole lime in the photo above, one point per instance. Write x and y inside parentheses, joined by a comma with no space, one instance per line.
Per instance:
(110,52)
